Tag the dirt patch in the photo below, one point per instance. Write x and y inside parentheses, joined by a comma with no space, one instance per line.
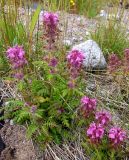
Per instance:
(18,147)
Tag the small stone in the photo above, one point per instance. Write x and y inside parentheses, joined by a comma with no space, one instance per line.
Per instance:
(11,122)
(87,33)
(75,39)
(67,42)
(7,103)
(91,87)
(7,120)
(103,14)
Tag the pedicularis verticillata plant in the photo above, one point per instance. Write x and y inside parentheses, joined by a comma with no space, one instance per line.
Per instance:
(117,136)
(52,92)
(50,21)
(102,135)
(16,56)
(88,106)
(116,64)
(95,132)
(49,102)
(102,119)
(118,67)
(75,59)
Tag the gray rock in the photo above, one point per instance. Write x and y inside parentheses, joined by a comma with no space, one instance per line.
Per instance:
(94,58)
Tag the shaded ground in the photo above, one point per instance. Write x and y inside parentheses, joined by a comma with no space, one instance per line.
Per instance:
(18,147)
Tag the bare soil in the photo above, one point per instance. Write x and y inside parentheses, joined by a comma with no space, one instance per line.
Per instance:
(18,147)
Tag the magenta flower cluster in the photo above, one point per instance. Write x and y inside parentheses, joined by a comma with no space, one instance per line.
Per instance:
(19,75)
(103,117)
(88,105)
(95,132)
(117,136)
(16,56)
(75,59)
(71,83)
(98,129)
(50,21)
(52,63)
(114,62)
(33,109)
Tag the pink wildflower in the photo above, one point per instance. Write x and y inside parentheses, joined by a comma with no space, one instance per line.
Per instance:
(103,117)
(33,109)
(19,75)
(117,136)
(50,21)
(75,58)
(95,132)
(53,62)
(71,84)
(28,104)
(88,105)
(16,55)
(61,110)
(114,62)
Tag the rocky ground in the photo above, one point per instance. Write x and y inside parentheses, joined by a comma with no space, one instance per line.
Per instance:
(77,28)
(18,147)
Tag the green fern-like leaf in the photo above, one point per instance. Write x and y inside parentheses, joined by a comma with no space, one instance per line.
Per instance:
(22,117)
(65,121)
(31,130)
